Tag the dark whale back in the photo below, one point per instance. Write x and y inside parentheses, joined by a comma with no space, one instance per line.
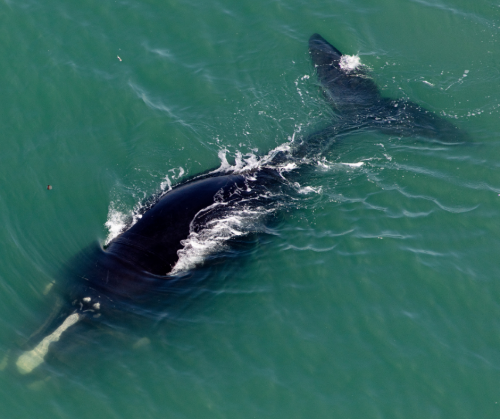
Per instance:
(152,243)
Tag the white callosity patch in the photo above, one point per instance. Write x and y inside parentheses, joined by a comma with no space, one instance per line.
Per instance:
(29,360)
(349,62)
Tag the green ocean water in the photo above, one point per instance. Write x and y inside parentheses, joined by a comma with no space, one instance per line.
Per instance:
(374,295)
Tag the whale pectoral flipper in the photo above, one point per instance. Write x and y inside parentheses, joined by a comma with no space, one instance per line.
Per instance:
(29,360)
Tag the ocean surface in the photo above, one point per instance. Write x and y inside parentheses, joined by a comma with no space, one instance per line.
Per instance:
(374,291)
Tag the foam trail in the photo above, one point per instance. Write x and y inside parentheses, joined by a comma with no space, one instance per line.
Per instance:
(29,360)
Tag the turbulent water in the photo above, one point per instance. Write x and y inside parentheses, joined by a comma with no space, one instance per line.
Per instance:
(366,287)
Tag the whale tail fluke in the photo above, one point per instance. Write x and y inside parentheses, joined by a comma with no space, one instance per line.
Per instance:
(322,52)
(345,82)
(351,91)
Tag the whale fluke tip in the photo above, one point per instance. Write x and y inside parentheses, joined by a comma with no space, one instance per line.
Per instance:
(322,52)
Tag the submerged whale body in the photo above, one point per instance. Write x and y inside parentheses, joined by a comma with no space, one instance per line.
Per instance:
(141,259)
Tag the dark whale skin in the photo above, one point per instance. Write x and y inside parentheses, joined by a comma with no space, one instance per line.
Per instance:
(142,257)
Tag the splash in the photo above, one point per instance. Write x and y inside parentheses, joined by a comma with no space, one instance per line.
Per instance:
(231,221)
(116,223)
(214,237)
(167,183)
(249,162)
(119,221)
(307,189)
(349,62)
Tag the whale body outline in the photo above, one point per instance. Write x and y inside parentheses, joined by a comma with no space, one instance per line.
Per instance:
(140,259)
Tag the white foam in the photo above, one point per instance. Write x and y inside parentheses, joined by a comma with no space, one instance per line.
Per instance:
(248,162)
(181,172)
(29,360)
(237,221)
(243,163)
(214,236)
(116,223)
(325,164)
(308,189)
(358,164)
(460,80)
(349,62)
(165,183)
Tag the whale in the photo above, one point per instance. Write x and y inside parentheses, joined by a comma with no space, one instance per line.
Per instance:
(141,260)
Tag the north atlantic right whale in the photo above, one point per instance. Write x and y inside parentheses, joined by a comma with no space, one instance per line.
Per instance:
(141,260)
